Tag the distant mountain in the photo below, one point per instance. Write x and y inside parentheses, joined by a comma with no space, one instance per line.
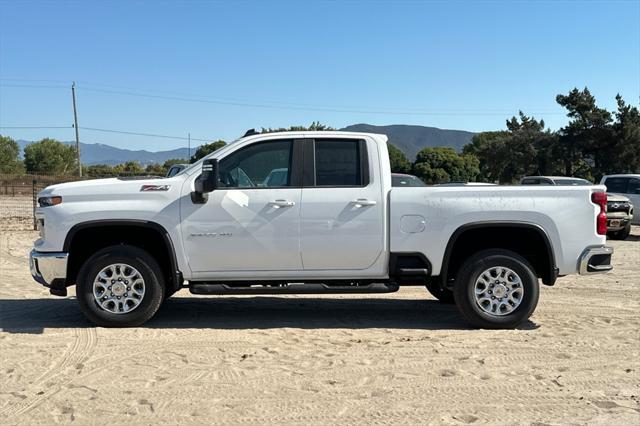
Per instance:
(411,139)
(106,154)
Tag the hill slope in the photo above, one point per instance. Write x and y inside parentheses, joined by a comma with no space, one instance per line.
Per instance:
(107,154)
(411,139)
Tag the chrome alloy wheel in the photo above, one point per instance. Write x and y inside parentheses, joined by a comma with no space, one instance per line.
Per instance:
(498,291)
(118,288)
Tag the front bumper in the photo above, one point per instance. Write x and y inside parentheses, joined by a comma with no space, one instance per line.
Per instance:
(49,269)
(596,260)
(621,223)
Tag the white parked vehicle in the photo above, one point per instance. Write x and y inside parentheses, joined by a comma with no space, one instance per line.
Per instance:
(626,185)
(334,225)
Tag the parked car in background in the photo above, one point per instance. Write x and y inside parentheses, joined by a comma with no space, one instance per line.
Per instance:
(619,216)
(627,185)
(175,169)
(554,180)
(401,179)
(466,184)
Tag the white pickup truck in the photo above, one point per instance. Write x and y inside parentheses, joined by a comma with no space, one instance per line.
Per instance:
(330,223)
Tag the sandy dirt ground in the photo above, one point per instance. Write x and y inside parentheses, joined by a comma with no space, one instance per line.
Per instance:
(402,358)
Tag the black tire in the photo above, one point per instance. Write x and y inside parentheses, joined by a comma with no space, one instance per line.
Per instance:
(622,234)
(138,259)
(444,295)
(464,290)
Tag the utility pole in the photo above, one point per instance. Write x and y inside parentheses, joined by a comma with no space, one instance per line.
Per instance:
(75,126)
(189,148)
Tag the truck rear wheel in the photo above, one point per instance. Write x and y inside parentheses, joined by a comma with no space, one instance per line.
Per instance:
(496,289)
(120,286)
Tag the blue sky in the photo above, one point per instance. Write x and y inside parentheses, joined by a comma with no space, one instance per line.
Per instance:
(215,69)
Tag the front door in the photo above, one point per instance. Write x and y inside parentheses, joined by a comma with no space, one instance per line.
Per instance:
(342,211)
(251,222)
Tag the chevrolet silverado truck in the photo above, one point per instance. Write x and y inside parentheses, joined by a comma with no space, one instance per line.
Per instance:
(332,224)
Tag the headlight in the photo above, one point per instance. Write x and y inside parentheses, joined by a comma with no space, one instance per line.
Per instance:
(49,201)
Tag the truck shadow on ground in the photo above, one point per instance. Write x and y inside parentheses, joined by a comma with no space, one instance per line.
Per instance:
(34,315)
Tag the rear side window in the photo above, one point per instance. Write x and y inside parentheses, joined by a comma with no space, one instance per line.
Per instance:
(617,184)
(340,163)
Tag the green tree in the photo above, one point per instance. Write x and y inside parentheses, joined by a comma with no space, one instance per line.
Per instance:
(523,149)
(490,149)
(588,136)
(50,156)
(99,171)
(155,169)
(206,149)
(444,164)
(130,168)
(9,156)
(314,126)
(624,155)
(172,161)
(399,161)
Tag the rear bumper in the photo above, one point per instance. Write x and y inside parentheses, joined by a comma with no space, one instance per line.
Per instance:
(595,260)
(49,269)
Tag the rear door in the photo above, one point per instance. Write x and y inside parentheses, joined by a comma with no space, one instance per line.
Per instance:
(342,213)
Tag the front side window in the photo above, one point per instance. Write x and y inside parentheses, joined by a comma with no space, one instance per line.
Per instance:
(266,164)
(618,185)
(338,163)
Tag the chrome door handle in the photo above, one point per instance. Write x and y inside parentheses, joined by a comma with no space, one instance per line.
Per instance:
(363,202)
(282,203)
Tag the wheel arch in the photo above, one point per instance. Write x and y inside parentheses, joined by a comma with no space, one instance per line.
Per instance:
(546,267)
(112,231)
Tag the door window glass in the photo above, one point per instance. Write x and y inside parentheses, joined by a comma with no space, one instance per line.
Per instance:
(266,164)
(338,163)
(634,186)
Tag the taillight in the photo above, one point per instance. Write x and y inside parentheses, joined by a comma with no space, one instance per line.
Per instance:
(600,198)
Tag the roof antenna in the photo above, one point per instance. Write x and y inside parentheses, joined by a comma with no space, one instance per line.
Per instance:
(250,132)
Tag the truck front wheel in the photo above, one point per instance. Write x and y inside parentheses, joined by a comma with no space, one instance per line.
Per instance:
(622,234)
(120,286)
(496,289)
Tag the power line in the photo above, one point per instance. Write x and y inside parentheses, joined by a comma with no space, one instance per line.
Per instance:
(303,108)
(36,127)
(276,104)
(33,86)
(154,135)
(124,132)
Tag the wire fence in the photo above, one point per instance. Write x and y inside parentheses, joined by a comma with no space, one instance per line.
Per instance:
(19,198)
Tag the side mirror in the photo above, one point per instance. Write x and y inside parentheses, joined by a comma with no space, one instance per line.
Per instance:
(207,181)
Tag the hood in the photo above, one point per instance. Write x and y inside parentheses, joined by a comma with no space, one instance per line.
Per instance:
(616,197)
(107,188)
